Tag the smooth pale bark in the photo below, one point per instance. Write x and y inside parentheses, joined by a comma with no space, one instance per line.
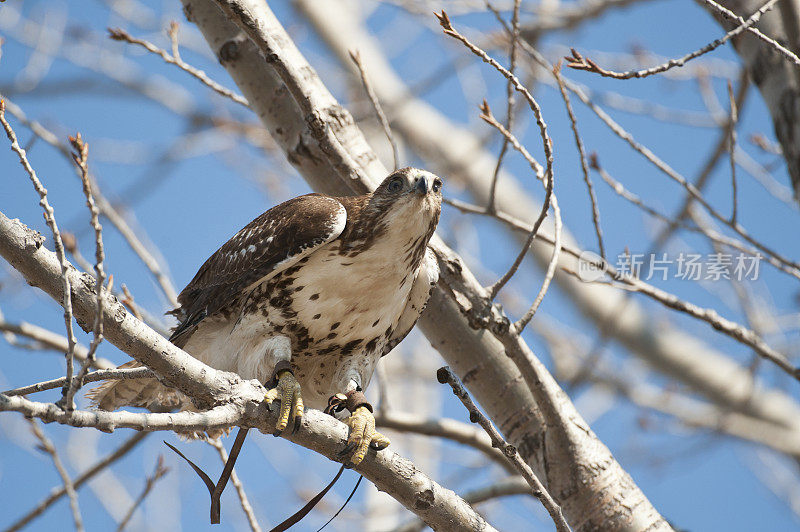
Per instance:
(777,79)
(291,102)
(235,401)
(458,154)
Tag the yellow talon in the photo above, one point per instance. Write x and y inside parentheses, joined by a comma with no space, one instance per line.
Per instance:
(288,391)
(363,435)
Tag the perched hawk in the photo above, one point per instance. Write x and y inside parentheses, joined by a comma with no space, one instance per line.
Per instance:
(309,296)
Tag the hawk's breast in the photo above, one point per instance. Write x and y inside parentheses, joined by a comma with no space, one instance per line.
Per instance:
(338,307)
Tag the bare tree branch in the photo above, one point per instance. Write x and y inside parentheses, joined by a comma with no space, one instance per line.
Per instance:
(79,481)
(239,402)
(446,376)
(446,324)
(49,215)
(151,480)
(456,151)
(578,62)
(69,487)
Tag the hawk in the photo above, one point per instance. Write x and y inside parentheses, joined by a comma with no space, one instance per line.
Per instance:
(308,297)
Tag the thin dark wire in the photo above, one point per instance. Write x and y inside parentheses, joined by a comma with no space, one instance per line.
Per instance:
(360,478)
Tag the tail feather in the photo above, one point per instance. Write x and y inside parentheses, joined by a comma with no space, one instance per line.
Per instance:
(146,393)
(143,393)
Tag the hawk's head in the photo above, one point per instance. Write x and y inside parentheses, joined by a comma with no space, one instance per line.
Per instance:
(411,194)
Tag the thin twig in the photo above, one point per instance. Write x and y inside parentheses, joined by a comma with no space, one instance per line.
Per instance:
(119,34)
(512,65)
(81,158)
(44,339)
(730,15)
(446,376)
(582,153)
(172,33)
(486,115)
(708,167)
(792,267)
(159,472)
(734,117)
(69,487)
(49,215)
(730,328)
(94,376)
(546,175)
(376,104)
(550,200)
(578,62)
(714,236)
(107,209)
(79,481)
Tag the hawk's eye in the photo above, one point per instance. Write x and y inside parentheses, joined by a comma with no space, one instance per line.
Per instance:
(437,185)
(395,184)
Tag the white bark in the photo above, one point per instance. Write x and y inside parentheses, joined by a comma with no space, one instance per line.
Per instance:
(322,142)
(460,155)
(777,79)
(232,401)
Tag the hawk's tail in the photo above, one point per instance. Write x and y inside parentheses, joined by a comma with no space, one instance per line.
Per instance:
(146,393)
(143,393)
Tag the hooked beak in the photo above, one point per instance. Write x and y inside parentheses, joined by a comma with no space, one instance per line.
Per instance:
(422,186)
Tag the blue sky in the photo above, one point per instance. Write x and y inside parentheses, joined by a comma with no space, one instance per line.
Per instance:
(187,208)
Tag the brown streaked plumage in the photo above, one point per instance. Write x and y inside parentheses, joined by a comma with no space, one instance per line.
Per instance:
(330,284)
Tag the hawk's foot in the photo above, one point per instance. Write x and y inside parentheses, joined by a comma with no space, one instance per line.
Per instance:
(362,426)
(287,390)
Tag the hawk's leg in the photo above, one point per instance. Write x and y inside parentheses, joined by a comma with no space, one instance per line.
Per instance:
(287,390)
(362,425)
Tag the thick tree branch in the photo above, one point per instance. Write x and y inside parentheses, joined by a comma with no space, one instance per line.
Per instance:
(238,402)
(330,155)
(457,151)
(776,78)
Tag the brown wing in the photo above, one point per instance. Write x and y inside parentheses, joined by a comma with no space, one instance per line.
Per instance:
(269,244)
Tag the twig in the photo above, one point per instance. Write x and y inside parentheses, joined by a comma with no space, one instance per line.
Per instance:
(734,117)
(486,115)
(106,208)
(550,200)
(711,234)
(792,267)
(578,62)
(69,487)
(512,65)
(79,481)
(44,339)
(172,33)
(49,215)
(159,472)
(81,156)
(545,175)
(449,429)
(446,376)
(709,166)
(119,34)
(94,376)
(448,29)
(582,153)
(730,328)
(730,15)
(376,104)
(245,502)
